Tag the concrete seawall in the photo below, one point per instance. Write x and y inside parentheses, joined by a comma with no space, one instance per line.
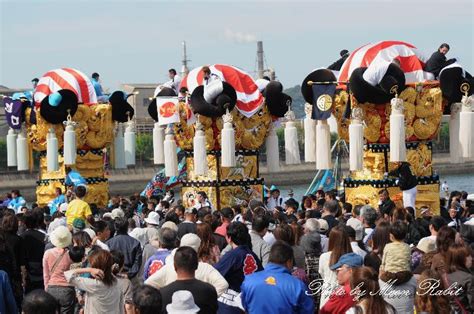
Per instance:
(134,180)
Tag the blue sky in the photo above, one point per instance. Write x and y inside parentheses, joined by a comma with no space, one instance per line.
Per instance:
(138,41)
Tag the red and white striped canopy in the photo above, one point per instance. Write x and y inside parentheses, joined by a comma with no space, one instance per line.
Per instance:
(249,98)
(65,78)
(411,60)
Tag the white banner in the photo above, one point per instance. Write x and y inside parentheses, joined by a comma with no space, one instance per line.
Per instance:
(167,110)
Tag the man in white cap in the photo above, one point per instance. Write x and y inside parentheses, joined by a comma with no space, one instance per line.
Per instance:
(182,302)
(186,264)
(150,231)
(204,272)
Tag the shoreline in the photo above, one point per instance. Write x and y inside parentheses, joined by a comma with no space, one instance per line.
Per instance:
(134,179)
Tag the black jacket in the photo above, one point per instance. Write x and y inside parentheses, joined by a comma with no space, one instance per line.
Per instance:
(132,251)
(406,178)
(437,62)
(387,207)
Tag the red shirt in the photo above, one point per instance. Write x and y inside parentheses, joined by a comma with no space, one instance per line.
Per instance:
(222,229)
(340,301)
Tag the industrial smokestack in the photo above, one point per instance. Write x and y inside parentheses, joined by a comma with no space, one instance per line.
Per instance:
(260,69)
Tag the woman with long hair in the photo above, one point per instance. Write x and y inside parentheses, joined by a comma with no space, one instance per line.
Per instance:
(103,294)
(339,244)
(429,297)
(365,286)
(380,238)
(285,232)
(208,251)
(459,260)
(445,238)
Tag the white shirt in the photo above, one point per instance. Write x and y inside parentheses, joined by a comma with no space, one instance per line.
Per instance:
(356,249)
(102,245)
(205,272)
(329,277)
(272,202)
(269,238)
(324,243)
(375,72)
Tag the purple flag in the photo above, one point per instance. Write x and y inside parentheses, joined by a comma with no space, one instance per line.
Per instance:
(13,112)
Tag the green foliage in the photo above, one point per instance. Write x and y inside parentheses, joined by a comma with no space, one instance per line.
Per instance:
(298,100)
(144,147)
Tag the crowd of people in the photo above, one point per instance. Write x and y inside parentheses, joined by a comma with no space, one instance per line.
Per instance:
(153,255)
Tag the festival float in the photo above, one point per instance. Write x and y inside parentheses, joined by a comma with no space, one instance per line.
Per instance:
(218,127)
(67,127)
(388,110)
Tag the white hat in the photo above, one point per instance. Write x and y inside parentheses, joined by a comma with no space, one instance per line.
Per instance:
(63,207)
(117,213)
(153,218)
(61,237)
(426,245)
(323,225)
(170,225)
(90,232)
(192,240)
(356,224)
(56,223)
(182,303)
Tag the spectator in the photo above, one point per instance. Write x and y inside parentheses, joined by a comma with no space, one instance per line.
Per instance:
(380,238)
(234,265)
(129,247)
(205,272)
(276,279)
(147,300)
(33,248)
(259,246)
(285,233)
(368,216)
(341,299)
(330,209)
(446,238)
(364,284)
(78,208)
(40,302)
(430,298)
(226,218)
(7,299)
(167,241)
(186,264)
(311,245)
(103,294)
(55,262)
(208,251)
(356,237)
(123,282)
(102,232)
(339,245)
(459,259)
(143,235)
(189,223)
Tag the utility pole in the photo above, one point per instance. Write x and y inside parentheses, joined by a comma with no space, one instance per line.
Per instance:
(260,66)
(184,67)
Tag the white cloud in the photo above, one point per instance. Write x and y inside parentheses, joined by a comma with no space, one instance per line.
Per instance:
(240,37)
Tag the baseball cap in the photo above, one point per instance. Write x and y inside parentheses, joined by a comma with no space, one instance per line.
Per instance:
(79,224)
(349,259)
(426,245)
(356,224)
(323,225)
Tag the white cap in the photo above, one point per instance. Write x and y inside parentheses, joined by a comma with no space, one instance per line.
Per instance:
(182,302)
(356,224)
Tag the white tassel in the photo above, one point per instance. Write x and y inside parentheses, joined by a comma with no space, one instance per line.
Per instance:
(11,148)
(200,154)
(130,144)
(228,142)
(273,152)
(454,143)
(323,149)
(22,154)
(356,141)
(119,148)
(466,128)
(158,142)
(69,146)
(398,151)
(292,150)
(309,139)
(52,151)
(171,157)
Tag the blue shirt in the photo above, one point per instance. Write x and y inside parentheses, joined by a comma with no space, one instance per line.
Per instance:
(75,179)
(7,300)
(97,87)
(56,203)
(17,203)
(288,294)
